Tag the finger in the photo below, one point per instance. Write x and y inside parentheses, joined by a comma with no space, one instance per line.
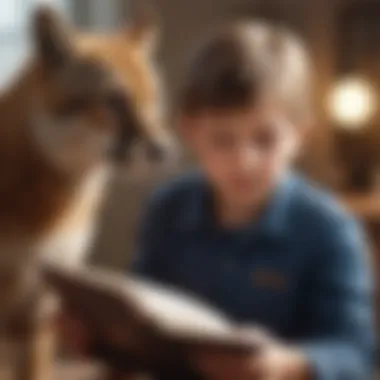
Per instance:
(266,367)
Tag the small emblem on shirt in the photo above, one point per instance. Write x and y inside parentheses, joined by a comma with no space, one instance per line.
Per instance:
(270,279)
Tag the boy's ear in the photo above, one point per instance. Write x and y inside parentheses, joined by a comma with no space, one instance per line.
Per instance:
(52,38)
(144,27)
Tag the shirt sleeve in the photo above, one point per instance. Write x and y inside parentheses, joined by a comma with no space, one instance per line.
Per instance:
(341,321)
(149,255)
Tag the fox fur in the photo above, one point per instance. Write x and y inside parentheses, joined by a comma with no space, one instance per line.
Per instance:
(59,128)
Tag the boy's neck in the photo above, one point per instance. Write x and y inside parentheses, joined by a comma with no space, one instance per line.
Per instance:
(233,215)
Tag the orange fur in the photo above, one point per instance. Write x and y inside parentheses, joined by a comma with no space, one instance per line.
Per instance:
(35,195)
(48,204)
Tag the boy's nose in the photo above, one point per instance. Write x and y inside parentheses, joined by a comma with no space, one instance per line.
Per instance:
(248,157)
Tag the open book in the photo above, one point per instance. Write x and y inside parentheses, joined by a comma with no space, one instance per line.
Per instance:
(140,324)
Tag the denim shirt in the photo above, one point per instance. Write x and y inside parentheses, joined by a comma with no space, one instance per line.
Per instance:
(300,270)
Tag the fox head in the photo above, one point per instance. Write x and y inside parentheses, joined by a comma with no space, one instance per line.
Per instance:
(96,97)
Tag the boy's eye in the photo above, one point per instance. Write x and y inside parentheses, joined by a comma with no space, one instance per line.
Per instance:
(265,139)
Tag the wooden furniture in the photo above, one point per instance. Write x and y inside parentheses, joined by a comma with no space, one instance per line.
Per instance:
(364,206)
(367,208)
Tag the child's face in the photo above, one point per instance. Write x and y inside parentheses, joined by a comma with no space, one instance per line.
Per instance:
(243,152)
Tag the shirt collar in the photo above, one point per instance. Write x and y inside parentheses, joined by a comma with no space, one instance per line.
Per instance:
(272,222)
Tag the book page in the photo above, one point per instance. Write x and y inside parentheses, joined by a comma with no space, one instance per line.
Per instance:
(175,311)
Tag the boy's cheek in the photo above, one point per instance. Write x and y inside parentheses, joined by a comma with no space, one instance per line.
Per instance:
(218,169)
(239,178)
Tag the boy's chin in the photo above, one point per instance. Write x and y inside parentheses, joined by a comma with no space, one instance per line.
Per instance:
(244,198)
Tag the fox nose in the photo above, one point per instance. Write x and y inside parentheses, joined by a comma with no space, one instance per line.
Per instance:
(161,152)
(156,153)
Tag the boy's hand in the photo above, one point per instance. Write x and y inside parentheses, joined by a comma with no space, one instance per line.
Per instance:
(274,362)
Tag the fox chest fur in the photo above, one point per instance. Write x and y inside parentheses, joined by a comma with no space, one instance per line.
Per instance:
(43,215)
(49,217)
(43,211)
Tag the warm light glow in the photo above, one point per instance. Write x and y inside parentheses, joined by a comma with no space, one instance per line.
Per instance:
(352,103)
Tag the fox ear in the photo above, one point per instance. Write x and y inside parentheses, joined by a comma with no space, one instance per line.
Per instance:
(144,27)
(52,38)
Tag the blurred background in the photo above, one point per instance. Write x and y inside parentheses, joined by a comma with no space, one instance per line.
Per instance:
(344,39)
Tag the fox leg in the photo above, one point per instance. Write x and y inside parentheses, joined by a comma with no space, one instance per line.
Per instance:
(37,344)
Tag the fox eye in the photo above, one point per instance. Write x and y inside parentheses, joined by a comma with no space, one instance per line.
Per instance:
(115,100)
(73,106)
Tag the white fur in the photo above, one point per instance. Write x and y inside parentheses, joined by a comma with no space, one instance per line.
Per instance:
(72,238)
(78,149)
(74,145)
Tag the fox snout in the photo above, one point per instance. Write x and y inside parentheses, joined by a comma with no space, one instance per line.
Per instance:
(154,151)
(157,152)
(161,151)
(135,133)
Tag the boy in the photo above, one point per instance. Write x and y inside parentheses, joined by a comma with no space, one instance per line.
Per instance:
(249,236)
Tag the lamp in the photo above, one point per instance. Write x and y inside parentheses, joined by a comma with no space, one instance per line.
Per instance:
(352,103)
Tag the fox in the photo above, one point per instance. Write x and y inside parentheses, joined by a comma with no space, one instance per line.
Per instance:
(73,117)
